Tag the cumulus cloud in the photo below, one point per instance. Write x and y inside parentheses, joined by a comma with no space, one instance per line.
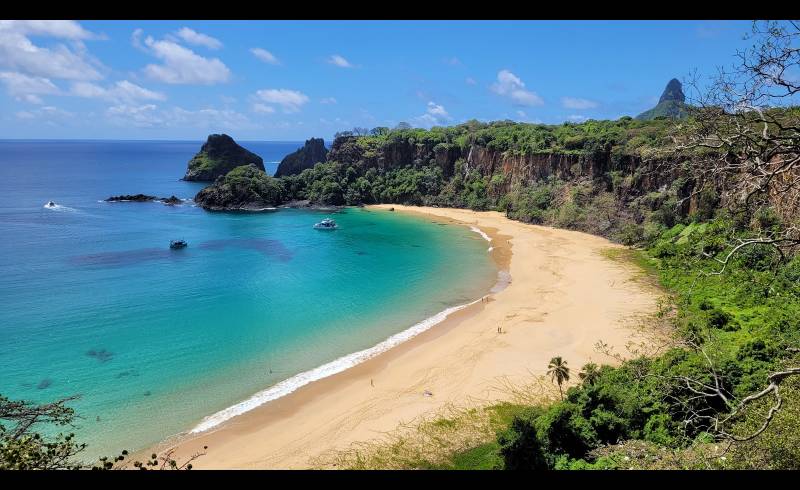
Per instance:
(263,108)
(181,65)
(289,100)
(121,91)
(576,118)
(142,116)
(18,53)
(339,61)
(328,100)
(577,103)
(510,85)
(64,29)
(47,113)
(435,114)
(193,37)
(26,88)
(150,116)
(265,56)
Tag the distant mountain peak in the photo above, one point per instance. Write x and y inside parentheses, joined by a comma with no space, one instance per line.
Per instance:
(673,91)
(672,103)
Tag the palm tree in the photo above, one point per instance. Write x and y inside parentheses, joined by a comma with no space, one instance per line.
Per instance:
(559,372)
(590,373)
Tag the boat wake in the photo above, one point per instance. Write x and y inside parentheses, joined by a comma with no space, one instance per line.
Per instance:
(57,207)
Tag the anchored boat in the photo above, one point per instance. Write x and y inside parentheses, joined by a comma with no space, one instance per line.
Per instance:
(326,224)
(176,244)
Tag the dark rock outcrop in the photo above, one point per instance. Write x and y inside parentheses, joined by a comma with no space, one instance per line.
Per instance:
(132,198)
(218,156)
(245,188)
(171,200)
(311,153)
(672,103)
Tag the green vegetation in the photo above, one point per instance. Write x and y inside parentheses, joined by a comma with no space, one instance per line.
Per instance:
(243,187)
(218,156)
(741,326)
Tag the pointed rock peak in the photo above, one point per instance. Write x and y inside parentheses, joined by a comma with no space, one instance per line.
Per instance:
(673,91)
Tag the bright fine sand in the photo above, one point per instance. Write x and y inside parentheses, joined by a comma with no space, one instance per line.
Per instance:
(565,295)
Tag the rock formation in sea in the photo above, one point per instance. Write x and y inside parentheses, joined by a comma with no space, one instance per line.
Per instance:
(131,197)
(245,188)
(218,156)
(310,154)
(171,200)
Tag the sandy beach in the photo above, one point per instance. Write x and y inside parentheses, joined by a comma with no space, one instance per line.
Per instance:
(565,295)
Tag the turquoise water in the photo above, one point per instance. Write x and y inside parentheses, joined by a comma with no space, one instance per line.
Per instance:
(94,303)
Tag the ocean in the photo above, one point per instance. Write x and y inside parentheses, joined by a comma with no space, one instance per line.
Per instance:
(157,342)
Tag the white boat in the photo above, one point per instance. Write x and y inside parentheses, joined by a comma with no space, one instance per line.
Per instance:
(326,224)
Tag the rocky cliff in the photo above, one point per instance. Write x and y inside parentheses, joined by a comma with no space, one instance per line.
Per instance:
(311,153)
(671,104)
(516,169)
(218,156)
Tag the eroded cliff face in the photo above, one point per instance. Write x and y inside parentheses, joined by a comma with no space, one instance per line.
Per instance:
(517,169)
(310,154)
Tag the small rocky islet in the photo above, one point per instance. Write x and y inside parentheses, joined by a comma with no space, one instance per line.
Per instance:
(170,201)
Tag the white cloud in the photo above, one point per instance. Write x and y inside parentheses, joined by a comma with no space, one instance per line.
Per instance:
(64,29)
(25,88)
(150,116)
(265,56)
(289,100)
(181,64)
(576,118)
(435,114)
(577,103)
(20,54)
(509,85)
(522,114)
(263,108)
(193,37)
(121,91)
(328,100)
(452,61)
(139,116)
(470,81)
(48,113)
(338,60)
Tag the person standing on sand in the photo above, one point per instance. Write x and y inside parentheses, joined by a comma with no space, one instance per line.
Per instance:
(371,382)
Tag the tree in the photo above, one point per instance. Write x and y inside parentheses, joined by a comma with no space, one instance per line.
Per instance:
(743,137)
(589,373)
(22,447)
(402,125)
(559,372)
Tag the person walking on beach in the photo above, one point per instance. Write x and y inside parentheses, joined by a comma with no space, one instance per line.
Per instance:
(371,382)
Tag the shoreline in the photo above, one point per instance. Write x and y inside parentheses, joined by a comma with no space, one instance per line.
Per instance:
(387,388)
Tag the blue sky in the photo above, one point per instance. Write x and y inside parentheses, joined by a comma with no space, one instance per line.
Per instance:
(281,80)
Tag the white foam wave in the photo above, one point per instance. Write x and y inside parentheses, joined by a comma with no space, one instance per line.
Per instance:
(343,363)
(481,233)
(58,207)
